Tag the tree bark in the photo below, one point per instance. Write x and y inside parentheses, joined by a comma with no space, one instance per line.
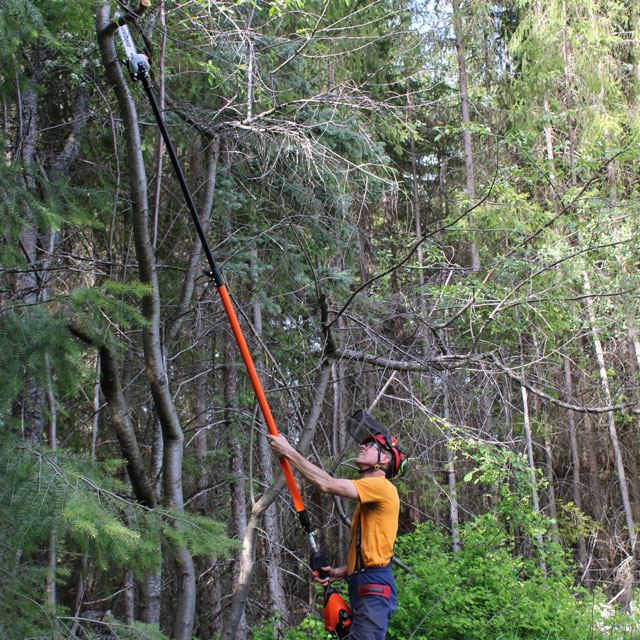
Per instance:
(575,463)
(243,582)
(451,474)
(29,404)
(111,386)
(212,153)
(151,339)
(466,123)
(277,599)
(613,431)
(532,469)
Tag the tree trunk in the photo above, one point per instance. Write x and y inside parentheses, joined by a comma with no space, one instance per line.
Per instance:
(151,339)
(568,72)
(575,463)
(613,431)
(466,123)
(29,404)
(151,585)
(532,469)
(161,105)
(212,154)
(243,582)
(277,599)
(551,492)
(119,409)
(415,192)
(235,446)
(451,473)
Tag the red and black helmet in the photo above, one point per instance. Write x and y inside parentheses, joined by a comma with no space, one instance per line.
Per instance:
(361,423)
(398,457)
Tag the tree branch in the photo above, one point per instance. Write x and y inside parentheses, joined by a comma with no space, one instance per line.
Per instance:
(560,403)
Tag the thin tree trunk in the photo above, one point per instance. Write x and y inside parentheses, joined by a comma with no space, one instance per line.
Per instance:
(278,602)
(96,410)
(237,470)
(551,492)
(451,474)
(466,123)
(532,468)
(243,582)
(575,463)
(161,104)
(129,596)
(51,569)
(30,402)
(613,431)
(415,190)
(339,428)
(212,154)
(53,445)
(236,463)
(151,584)
(568,71)
(150,589)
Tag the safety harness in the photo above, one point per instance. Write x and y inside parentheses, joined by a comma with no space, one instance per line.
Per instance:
(383,590)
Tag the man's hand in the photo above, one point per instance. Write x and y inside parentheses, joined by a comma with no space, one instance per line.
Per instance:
(331,575)
(313,473)
(280,446)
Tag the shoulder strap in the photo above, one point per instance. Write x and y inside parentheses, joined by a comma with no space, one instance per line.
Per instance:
(359,561)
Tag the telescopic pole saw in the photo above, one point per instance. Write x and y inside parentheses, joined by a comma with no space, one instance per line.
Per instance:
(138,67)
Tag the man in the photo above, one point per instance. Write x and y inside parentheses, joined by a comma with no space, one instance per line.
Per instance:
(372,591)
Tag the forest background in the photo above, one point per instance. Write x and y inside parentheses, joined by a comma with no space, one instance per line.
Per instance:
(429,209)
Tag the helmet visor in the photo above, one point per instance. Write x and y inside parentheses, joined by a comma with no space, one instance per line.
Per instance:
(362,425)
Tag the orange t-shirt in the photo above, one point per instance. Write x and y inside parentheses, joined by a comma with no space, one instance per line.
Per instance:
(380,506)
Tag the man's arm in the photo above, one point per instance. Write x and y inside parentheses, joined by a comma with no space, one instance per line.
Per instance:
(315,475)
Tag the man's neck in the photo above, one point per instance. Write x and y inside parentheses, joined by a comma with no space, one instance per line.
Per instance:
(372,473)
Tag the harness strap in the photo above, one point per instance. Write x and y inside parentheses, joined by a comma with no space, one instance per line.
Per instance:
(359,561)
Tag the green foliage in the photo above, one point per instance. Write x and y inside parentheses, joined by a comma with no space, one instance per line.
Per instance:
(489,588)
(101,307)
(120,631)
(22,21)
(43,491)
(507,476)
(35,344)
(484,590)
(308,629)
(26,25)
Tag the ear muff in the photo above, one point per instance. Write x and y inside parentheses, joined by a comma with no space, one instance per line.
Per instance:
(399,459)
(402,466)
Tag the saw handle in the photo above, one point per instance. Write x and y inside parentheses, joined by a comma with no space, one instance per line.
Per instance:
(316,562)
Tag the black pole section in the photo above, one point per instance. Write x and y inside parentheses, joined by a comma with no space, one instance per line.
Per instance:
(216,274)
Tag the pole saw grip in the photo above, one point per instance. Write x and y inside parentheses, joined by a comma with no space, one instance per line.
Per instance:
(316,562)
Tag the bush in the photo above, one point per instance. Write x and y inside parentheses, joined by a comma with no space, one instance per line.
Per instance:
(308,629)
(484,591)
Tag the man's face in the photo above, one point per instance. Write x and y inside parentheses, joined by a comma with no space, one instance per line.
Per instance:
(368,455)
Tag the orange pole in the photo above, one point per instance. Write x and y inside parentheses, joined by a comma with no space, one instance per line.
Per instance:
(257,388)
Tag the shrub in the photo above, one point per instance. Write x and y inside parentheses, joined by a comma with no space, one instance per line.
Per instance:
(485,591)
